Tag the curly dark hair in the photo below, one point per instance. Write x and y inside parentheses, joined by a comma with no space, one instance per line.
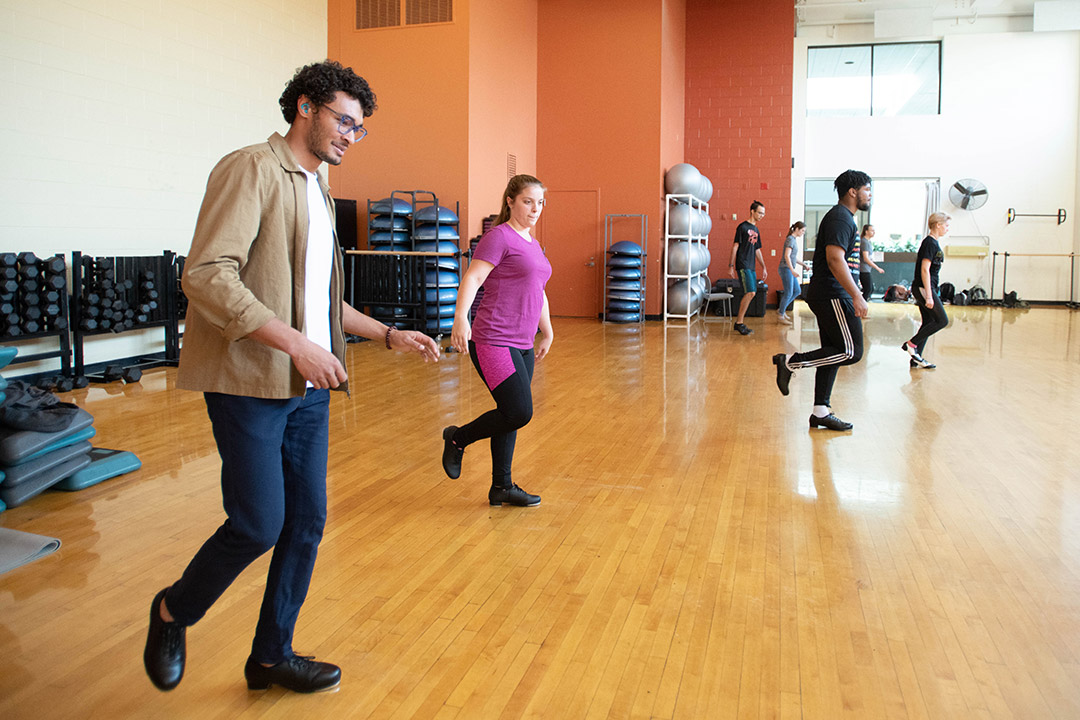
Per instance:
(850,179)
(321,82)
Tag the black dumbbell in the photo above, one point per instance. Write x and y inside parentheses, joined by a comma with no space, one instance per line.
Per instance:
(51,310)
(8,259)
(11,318)
(56,282)
(91,298)
(131,375)
(59,323)
(50,296)
(29,272)
(9,286)
(33,312)
(7,307)
(88,324)
(54,265)
(80,382)
(28,258)
(8,273)
(31,326)
(46,383)
(127,284)
(64,384)
(13,330)
(91,311)
(112,373)
(30,299)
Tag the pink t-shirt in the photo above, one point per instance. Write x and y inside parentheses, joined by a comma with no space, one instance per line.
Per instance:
(509,311)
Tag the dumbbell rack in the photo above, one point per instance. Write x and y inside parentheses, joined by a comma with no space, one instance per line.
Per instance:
(27,285)
(118,294)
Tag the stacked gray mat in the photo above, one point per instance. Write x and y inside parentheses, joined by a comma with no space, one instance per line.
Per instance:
(45,443)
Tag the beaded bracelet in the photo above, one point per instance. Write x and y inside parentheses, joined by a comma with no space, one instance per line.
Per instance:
(388,331)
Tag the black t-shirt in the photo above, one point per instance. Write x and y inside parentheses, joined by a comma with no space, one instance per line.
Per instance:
(854,259)
(929,250)
(749,241)
(837,228)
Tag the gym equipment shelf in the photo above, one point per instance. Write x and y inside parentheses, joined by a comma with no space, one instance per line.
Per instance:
(120,294)
(29,310)
(693,214)
(623,292)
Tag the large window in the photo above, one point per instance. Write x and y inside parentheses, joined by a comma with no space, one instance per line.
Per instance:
(886,79)
(898,212)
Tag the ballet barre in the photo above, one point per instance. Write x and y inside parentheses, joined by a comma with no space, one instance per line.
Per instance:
(1012,215)
(1005,271)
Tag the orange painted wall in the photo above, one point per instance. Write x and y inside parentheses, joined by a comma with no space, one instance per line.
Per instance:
(502,100)
(672,115)
(599,114)
(739,56)
(419,136)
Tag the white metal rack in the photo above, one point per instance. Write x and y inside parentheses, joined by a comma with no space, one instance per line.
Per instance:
(694,300)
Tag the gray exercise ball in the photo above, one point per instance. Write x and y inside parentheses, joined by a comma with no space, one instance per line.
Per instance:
(678,297)
(681,220)
(679,261)
(682,179)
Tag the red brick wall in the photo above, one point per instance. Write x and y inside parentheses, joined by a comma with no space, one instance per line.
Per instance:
(738,117)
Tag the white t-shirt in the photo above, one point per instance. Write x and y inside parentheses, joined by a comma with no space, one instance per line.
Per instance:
(318,266)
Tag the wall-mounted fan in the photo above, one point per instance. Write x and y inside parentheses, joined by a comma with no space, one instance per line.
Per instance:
(968,194)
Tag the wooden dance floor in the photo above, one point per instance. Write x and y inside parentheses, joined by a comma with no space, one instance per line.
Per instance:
(700,553)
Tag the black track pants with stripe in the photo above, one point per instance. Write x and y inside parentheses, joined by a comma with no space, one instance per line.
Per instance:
(841,344)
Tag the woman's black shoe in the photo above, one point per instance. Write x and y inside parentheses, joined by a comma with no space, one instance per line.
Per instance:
(451,453)
(299,674)
(511,495)
(165,648)
(830,422)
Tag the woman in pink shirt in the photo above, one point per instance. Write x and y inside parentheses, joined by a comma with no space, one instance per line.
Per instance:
(510,264)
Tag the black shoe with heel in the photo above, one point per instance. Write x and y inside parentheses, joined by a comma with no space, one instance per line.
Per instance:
(830,422)
(299,673)
(451,454)
(166,648)
(511,495)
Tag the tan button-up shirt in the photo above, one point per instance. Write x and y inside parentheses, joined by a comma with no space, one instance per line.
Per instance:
(246,266)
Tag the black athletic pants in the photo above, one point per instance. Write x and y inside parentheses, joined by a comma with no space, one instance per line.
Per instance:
(933,319)
(513,410)
(867,282)
(841,344)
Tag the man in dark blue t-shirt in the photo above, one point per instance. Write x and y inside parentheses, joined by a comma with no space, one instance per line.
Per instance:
(834,299)
(745,254)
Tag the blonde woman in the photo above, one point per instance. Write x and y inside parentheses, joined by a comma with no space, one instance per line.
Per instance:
(924,288)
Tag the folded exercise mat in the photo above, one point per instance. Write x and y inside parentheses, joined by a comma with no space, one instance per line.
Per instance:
(18,548)
(18,445)
(16,495)
(104,464)
(7,354)
(85,434)
(18,474)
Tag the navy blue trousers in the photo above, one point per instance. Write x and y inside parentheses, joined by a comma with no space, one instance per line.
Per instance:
(273,488)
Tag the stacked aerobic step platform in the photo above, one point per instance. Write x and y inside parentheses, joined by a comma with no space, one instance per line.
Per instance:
(46,444)
(625,283)
(436,230)
(394,227)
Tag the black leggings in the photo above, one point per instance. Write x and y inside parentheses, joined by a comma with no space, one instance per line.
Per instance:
(513,404)
(866,279)
(841,344)
(933,319)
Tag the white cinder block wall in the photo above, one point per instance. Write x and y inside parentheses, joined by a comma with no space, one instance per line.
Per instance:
(1010,110)
(116,111)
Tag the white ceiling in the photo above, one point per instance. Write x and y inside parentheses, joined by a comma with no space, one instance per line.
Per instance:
(810,13)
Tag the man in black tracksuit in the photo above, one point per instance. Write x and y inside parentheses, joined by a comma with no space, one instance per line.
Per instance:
(834,299)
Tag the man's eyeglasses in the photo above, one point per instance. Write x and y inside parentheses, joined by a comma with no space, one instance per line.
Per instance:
(347,125)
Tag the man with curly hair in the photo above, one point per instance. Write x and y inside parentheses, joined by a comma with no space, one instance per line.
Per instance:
(264,341)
